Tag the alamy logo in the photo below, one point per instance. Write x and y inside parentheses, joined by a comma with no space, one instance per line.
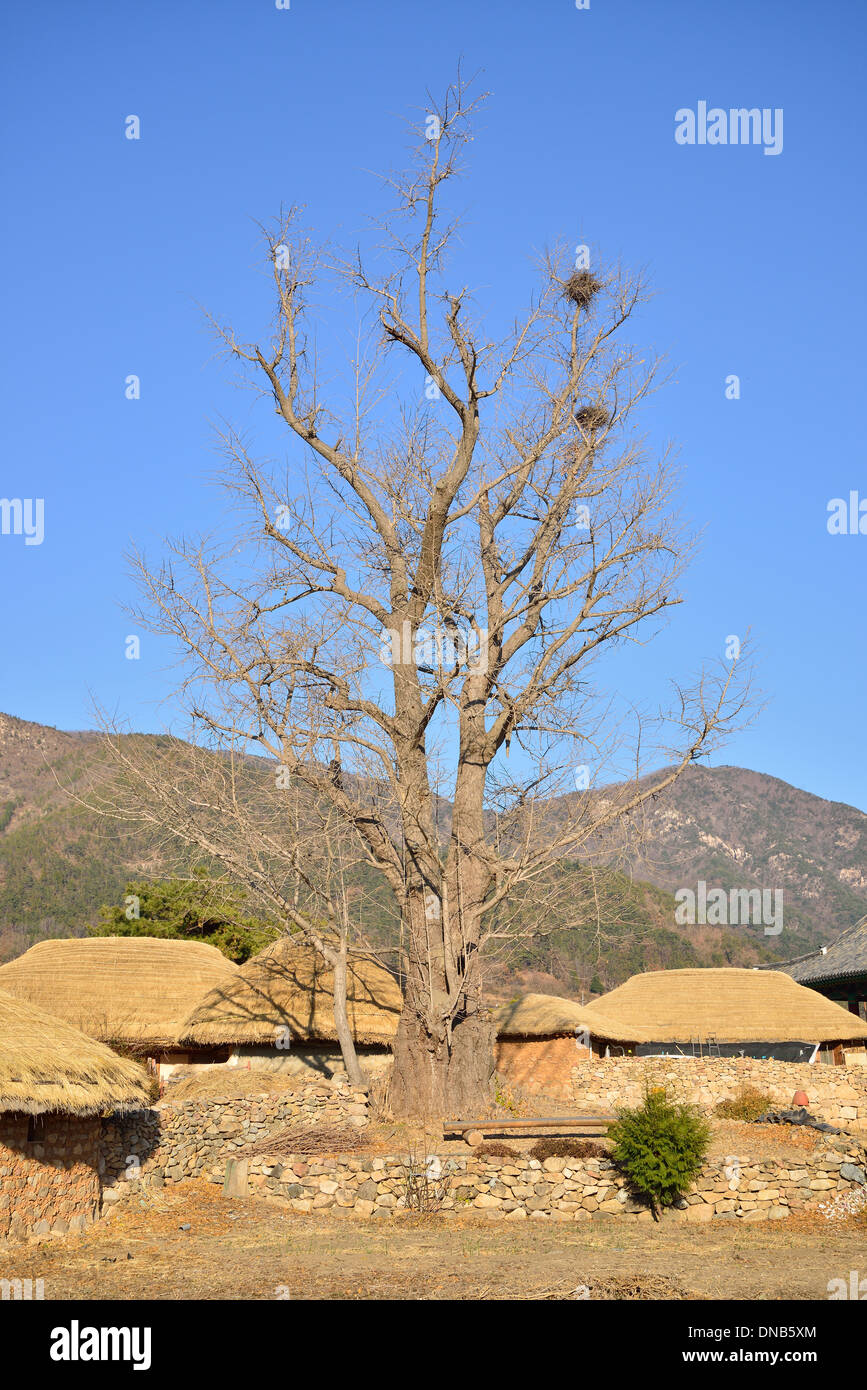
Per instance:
(741,907)
(21,1290)
(855,1288)
(437,649)
(23,516)
(77,1343)
(847,516)
(737,126)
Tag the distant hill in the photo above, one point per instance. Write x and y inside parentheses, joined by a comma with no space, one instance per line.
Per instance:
(739,829)
(731,827)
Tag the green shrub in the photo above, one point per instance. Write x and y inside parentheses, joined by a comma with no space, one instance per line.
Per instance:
(748,1103)
(660,1146)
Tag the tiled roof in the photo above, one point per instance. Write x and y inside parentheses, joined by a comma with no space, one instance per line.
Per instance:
(844,958)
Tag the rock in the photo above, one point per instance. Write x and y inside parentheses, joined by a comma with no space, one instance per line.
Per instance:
(701,1212)
(235,1183)
(853,1173)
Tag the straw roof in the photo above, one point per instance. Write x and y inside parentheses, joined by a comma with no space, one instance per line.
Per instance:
(288,986)
(729,1005)
(667,1006)
(46,1066)
(538,1016)
(131,989)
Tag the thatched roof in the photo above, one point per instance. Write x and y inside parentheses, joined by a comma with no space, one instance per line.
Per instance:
(845,959)
(538,1016)
(288,986)
(729,1005)
(46,1066)
(668,1006)
(131,989)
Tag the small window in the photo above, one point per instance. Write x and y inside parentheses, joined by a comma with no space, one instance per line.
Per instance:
(36,1129)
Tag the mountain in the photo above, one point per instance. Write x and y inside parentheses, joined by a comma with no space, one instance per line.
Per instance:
(733,828)
(730,827)
(58,861)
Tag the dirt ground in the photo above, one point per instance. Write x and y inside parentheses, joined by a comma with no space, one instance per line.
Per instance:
(254,1249)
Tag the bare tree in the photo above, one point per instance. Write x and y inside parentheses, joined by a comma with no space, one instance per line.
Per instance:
(293,853)
(408,618)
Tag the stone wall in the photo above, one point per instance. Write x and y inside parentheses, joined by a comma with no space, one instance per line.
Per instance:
(554,1067)
(197,1138)
(563,1189)
(837,1095)
(179,1139)
(49,1186)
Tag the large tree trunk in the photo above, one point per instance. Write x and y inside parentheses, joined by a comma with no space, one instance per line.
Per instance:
(440,1073)
(437,1079)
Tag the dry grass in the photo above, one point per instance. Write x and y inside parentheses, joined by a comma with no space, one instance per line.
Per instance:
(296,1139)
(568,1148)
(230,1083)
(495,1150)
(748,1103)
(248,1249)
(752,1141)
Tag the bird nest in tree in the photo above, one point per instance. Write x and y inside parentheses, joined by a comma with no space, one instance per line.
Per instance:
(592,417)
(581,287)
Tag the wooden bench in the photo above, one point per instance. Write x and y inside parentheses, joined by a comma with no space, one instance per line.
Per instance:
(474,1131)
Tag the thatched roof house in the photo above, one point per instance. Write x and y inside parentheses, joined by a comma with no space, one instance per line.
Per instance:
(539,1016)
(55,1083)
(46,1067)
(700,1013)
(731,1010)
(130,990)
(283,999)
(540,1038)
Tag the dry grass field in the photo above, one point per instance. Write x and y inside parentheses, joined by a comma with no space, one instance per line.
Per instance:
(252,1249)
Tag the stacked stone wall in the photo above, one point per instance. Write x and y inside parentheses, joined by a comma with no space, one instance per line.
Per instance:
(49,1185)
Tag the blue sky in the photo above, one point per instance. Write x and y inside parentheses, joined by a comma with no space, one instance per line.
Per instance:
(109,245)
